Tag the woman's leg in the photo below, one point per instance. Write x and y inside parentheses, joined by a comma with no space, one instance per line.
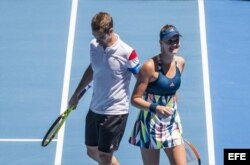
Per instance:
(177,155)
(150,156)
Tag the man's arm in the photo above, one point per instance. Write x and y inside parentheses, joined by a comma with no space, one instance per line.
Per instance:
(85,80)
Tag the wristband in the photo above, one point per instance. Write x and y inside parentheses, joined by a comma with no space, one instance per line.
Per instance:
(152,107)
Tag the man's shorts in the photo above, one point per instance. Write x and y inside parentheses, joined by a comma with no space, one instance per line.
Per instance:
(104,131)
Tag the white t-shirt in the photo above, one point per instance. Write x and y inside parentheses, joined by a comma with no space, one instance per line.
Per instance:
(112,70)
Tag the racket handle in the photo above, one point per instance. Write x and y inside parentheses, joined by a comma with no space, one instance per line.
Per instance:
(84,91)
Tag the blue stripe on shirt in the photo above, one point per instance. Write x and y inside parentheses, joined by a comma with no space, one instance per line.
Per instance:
(136,69)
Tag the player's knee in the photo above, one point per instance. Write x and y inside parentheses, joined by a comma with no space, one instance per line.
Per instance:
(92,152)
(103,154)
(105,157)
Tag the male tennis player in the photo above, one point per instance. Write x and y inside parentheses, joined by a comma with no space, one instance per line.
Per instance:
(112,62)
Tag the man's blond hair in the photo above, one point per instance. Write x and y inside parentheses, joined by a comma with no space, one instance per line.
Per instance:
(102,22)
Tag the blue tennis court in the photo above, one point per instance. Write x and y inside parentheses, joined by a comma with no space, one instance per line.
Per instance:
(44,49)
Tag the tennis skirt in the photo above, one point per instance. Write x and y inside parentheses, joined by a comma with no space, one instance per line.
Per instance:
(152,131)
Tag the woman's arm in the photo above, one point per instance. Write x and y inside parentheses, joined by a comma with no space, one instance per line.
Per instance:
(146,74)
(142,82)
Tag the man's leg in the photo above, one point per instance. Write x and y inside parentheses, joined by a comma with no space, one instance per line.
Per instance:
(91,135)
(107,159)
(93,153)
(110,135)
(101,157)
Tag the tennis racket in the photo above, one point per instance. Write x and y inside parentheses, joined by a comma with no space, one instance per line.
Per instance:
(55,127)
(192,155)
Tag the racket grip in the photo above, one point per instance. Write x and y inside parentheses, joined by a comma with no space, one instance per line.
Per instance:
(84,91)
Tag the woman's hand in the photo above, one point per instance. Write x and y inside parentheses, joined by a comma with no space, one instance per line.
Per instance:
(164,111)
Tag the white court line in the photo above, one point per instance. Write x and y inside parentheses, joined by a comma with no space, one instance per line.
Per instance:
(66,81)
(23,140)
(208,107)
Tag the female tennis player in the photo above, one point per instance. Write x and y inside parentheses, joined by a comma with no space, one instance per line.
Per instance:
(158,123)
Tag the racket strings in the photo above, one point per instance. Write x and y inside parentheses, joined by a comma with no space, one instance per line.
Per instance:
(55,127)
(192,154)
(53,131)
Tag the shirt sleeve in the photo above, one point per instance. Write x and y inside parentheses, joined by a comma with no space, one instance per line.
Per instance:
(133,63)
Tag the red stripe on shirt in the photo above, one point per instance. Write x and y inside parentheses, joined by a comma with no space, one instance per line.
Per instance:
(133,55)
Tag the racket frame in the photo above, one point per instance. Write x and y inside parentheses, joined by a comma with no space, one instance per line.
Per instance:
(49,136)
(194,150)
(62,118)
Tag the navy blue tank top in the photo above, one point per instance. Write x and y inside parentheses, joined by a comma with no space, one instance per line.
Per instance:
(163,85)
